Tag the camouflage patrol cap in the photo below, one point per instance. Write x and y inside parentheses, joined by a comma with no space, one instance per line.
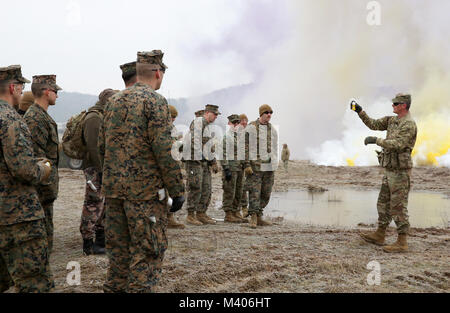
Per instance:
(12,72)
(45,81)
(212,108)
(243,117)
(402,98)
(173,111)
(152,57)
(128,69)
(234,118)
(199,113)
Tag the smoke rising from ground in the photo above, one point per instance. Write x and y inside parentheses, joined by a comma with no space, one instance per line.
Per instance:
(331,54)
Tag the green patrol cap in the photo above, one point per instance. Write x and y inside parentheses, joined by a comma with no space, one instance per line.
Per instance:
(12,72)
(46,81)
(234,118)
(199,113)
(212,108)
(128,69)
(152,57)
(402,98)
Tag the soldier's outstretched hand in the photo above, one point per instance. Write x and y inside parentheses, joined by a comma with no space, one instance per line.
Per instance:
(370,140)
(354,106)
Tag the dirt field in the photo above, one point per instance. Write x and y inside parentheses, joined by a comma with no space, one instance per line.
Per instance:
(286,257)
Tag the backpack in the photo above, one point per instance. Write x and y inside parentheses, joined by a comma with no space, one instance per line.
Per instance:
(73,143)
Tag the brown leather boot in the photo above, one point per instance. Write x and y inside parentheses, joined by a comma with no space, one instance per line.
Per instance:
(245,211)
(253,220)
(399,246)
(237,215)
(205,219)
(172,223)
(376,237)
(230,218)
(191,219)
(261,222)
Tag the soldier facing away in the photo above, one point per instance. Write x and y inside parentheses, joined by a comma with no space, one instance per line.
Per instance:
(25,102)
(395,158)
(44,132)
(24,254)
(232,172)
(285,154)
(198,169)
(137,168)
(93,212)
(260,172)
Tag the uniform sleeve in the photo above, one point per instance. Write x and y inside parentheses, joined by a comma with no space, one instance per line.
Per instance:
(159,130)
(18,154)
(91,133)
(380,124)
(39,135)
(405,138)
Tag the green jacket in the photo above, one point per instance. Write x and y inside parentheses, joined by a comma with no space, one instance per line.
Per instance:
(400,139)
(230,152)
(91,129)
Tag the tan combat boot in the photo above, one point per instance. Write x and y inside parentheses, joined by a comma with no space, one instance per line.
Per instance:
(230,218)
(253,220)
(172,223)
(238,215)
(205,219)
(376,237)
(399,246)
(191,219)
(245,211)
(261,222)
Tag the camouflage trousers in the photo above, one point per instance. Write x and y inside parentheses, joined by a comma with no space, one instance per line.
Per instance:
(135,244)
(244,197)
(93,214)
(198,186)
(24,257)
(48,222)
(260,187)
(393,200)
(285,164)
(232,191)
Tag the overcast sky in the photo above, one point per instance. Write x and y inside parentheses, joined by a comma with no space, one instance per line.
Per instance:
(208,44)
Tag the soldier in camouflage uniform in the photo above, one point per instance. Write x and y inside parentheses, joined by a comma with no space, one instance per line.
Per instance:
(44,132)
(137,167)
(92,216)
(172,223)
(261,161)
(24,254)
(198,169)
(232,172)
(285,154)
(244,197)
(129,73)
(396,159)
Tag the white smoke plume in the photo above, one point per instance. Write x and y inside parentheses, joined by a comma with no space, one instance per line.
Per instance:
(331,54)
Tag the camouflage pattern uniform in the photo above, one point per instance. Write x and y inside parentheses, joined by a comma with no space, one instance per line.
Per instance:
(396,159)
(44,132)
(24,256)
(232,189)
(198,171)
(285,154)
(137,166)
(260,183)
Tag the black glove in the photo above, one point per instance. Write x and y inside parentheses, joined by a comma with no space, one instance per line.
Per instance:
(357,108)
(228,174)
(177,203)
(370,140)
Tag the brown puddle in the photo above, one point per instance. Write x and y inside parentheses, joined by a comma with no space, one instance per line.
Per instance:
(348,208)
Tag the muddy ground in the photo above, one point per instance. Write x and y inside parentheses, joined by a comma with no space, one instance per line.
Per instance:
(286,257)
